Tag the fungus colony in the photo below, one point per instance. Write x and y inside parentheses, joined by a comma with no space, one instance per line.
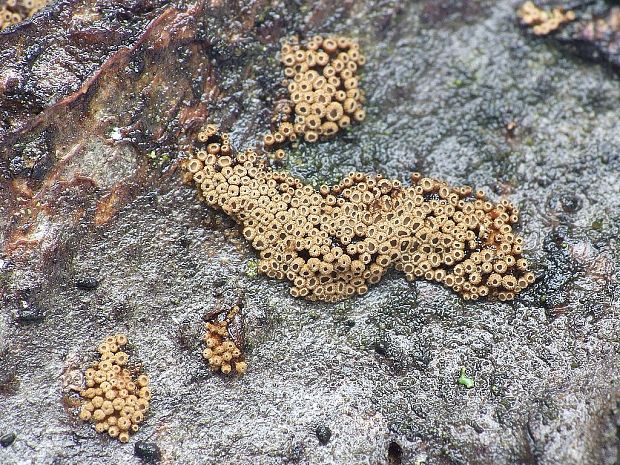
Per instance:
(335,242)
(116,397)
(223,351)
(323,87)
(15,11)
(543,22)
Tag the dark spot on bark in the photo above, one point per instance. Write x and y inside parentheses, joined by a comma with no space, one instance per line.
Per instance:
(563,202)
(28,312)
(395,453)
(477,428)
(87,283)
(187,336)
(323,434)
(147,451)
(381,347)
(7,439)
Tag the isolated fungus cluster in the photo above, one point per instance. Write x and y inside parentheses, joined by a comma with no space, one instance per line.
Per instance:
(222,352)
(116,397)
(543,22)
(15,11)
(323,90)
(335,242)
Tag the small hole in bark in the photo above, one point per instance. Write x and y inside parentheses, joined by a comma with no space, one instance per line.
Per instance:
(395,453)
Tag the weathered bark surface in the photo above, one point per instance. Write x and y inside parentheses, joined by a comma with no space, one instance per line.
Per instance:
(98,235)
(595,33)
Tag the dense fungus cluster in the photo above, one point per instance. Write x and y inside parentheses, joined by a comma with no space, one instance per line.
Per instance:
(543,22)
(323,90)
(116,398)
(15,11)
(223,353)
(335,242)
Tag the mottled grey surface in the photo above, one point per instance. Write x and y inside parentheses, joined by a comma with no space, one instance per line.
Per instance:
(443,81)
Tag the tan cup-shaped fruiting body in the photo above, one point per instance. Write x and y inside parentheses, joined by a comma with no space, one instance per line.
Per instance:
(15,11)
(116,396)
(223,353)
(543,22)
(323,90)
(335,242)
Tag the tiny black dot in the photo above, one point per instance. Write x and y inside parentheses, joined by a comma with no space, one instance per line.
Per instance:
(323,433)
(381,347)
(7,439)
(87,283)
(147,451)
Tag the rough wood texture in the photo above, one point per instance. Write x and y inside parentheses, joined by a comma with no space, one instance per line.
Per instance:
(99,236)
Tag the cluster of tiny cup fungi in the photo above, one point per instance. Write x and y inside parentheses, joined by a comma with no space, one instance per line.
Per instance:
(543,22)
(332,243)
(324,95)
(15,11)
(223,353)
(116,396)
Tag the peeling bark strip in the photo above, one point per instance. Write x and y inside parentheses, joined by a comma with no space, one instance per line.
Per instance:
(90,166)
(155,39)
(49,56)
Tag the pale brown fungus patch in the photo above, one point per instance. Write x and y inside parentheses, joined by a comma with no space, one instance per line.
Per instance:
(541,21)
(15,11)
(117,395)
(324,94)
(223,351)
(334,242)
